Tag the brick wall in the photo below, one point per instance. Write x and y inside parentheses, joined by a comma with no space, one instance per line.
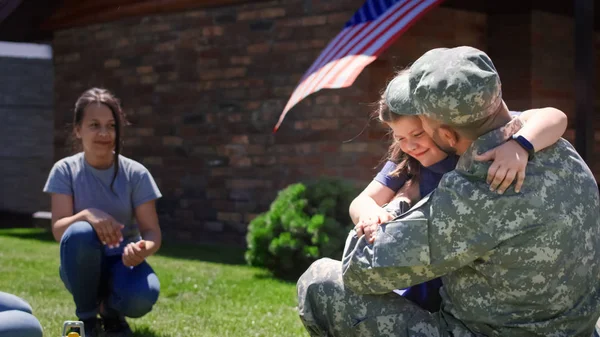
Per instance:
(25,133)
(553,71)
(204,88)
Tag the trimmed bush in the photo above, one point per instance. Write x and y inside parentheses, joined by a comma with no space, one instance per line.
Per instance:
(304,223)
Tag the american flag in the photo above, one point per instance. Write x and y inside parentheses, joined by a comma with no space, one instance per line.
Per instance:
(370,31)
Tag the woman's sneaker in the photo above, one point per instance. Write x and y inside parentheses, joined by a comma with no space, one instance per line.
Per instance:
(116,327)
(91,327)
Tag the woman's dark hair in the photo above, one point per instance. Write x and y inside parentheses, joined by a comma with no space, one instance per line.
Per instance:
(103,96)
(407,166)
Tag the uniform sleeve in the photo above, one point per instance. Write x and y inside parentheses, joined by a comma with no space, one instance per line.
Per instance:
(59,179)
(393,183)
(445,231)
(145,188)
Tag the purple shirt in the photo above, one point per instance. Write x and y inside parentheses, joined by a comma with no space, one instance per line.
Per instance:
(429,177)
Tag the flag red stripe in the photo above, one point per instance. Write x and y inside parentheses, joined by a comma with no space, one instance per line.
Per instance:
(306,79)
(354,48)
(307,88)
(333,45)
(350,48)
(373,38)
(357,69)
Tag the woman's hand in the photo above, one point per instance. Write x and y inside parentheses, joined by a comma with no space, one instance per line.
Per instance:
(107,228)
(134,253)
(510,162)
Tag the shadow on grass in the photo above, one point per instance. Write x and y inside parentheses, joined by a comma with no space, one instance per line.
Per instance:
(39,234)
(226,254)
(233,255)
(267,275)
(23,226)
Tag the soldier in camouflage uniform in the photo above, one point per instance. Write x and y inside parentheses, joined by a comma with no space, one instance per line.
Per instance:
(517,264)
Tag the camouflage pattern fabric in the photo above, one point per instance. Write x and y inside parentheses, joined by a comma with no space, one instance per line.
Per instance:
(397,206)
(397,96)
(327,308)
(454,85)
(517,265)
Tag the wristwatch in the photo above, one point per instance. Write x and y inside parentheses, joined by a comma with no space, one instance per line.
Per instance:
(525,144)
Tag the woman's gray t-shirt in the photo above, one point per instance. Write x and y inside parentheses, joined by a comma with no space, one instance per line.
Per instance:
(90,188)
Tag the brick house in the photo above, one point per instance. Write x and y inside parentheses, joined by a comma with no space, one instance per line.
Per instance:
(203,84)
(26,131)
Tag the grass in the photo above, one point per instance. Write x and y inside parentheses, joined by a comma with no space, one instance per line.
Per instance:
(205,290)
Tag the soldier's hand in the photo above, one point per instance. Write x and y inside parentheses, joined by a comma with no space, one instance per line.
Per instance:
(510,162)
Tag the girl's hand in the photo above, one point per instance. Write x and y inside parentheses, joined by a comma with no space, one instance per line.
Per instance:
(368,223)
(510,162)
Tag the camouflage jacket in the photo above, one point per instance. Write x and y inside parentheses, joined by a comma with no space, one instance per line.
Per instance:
(523,264)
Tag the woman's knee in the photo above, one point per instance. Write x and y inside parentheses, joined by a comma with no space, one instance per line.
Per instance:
(19,324)
(139,300)
(140,303)
(80,236)
(80,230)
(12,302)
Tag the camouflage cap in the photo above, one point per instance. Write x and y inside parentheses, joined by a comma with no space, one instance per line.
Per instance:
(397,95)
(455,85)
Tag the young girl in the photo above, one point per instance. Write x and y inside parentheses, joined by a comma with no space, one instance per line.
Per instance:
(416,165)
(104,215)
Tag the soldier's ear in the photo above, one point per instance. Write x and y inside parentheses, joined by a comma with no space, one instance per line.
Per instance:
(448,134)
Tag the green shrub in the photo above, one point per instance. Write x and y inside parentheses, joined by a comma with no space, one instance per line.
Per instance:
(304,223)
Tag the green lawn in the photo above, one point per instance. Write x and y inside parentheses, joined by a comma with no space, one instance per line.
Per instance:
(205,291)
